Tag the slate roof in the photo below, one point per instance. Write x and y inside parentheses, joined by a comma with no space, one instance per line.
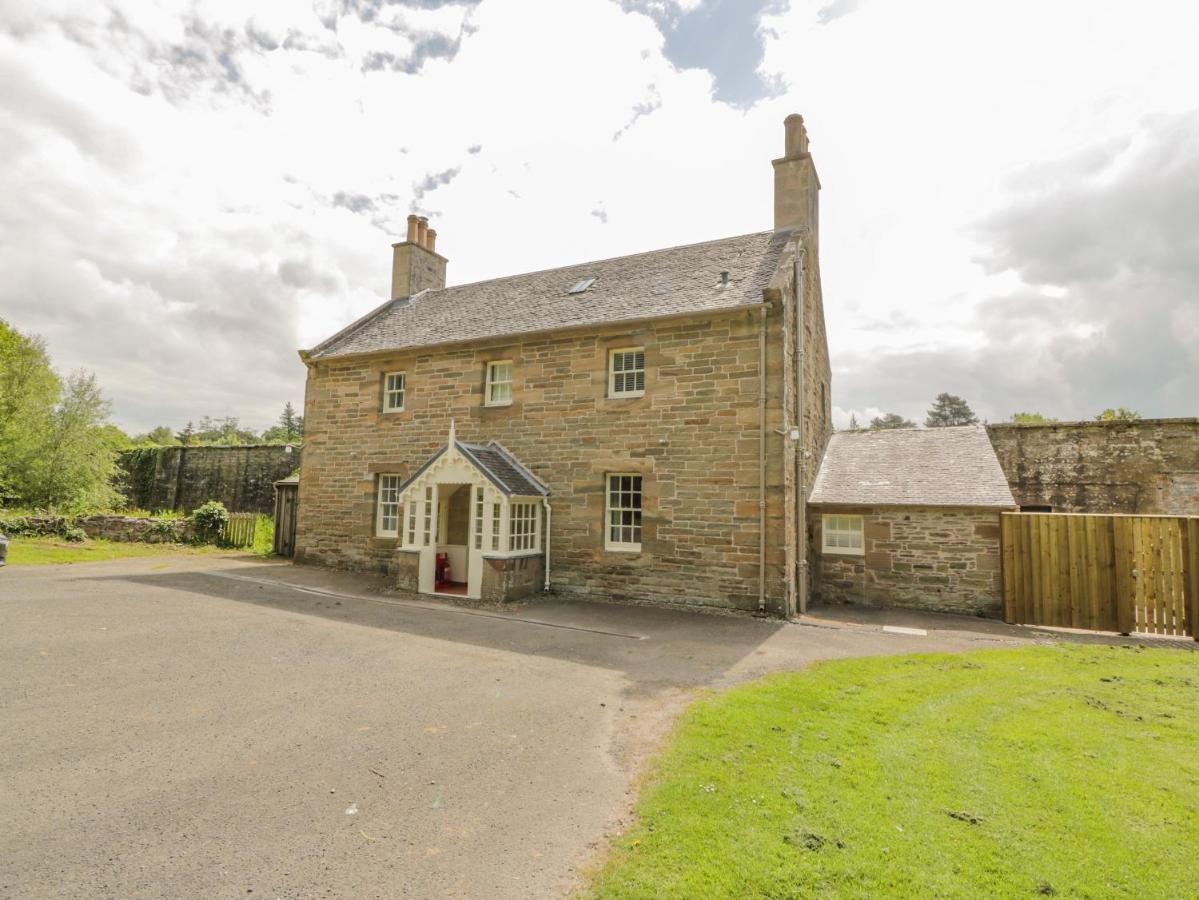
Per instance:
(645,285)
(912,467)
(503,469)
(495,462)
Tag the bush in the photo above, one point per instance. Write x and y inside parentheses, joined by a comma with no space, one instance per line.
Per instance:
(163,529)
(209,521)
(73,534)
(264,536)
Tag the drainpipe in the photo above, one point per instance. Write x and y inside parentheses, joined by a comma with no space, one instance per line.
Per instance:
(548,518)
(762,465)
(801,497)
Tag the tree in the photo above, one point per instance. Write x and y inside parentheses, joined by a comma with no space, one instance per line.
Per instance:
(890,420)
(78,450)
(853,423)
(949,409)
(1030,418)
(224,431)
(187,436)
(162,436)
(289,430)
(1120,414)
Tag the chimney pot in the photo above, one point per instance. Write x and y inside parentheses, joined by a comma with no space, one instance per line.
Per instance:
(796,137)
(796,185)
(422,227)
(431,240)
(412,229)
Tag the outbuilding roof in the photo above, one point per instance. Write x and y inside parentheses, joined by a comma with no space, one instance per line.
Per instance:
(912,467)
(646,285)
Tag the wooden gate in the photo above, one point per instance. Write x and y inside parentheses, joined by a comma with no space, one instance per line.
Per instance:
(287,493)
(239,530)
(1102,572)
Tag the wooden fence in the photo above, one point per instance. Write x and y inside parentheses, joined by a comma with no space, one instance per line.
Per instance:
(1102,572)
(239,531)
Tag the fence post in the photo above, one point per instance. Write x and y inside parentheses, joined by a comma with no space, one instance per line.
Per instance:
(1190,573)
(1125,589)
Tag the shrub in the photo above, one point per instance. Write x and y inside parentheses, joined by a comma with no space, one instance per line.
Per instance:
(209,521)
(163,529)
(264,536)
(73,534)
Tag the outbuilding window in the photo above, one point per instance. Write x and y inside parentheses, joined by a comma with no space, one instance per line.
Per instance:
(387,516)
(393,392)
(623,526)
(499,383)
(626,372)
(842,534)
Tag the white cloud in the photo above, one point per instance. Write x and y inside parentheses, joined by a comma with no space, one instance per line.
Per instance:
(200,191)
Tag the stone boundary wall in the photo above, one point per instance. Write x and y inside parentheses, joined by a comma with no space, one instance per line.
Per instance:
(110,528)
(935,559)
(182,478)
(1147,466)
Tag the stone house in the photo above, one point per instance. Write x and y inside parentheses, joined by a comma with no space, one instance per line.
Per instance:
(910,517)
(642,428)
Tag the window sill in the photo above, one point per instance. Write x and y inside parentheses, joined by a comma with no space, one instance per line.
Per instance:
(499,405)
(630,395)
(515,554)
(392,412)
(622,548)
(841,551)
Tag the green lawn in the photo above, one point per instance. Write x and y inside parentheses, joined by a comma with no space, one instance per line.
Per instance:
(41,551)
(1070,771)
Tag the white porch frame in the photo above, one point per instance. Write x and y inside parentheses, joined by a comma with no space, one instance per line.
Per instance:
(423,496)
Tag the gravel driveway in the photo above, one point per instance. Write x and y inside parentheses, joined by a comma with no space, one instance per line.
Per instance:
(224,727)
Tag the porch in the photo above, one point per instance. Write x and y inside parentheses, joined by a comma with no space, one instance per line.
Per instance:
(474,524)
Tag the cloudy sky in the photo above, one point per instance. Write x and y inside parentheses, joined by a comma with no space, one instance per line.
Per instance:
(1010,210)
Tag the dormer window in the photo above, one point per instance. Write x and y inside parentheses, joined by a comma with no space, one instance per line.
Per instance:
(499,383)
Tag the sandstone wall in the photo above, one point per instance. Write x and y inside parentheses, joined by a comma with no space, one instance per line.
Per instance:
(693,437)
(1147,466)
(183,478)
(943,560)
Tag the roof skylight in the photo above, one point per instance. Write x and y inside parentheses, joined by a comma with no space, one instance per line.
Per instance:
(581,286)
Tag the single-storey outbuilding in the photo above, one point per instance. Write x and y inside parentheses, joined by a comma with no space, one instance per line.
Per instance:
(909,517)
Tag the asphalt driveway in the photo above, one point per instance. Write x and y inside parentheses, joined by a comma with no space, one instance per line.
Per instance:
(224,727)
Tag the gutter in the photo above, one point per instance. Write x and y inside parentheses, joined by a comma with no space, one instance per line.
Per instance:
(548,519)
(801,489)
(762,462)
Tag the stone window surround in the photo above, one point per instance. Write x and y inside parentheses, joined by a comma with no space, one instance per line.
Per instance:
(613,393)
(382,481)
(826,530)
(490,382)
(389,392)
(620,546)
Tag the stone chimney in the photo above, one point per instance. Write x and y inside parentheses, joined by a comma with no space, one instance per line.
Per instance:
(796,185)
(415,265)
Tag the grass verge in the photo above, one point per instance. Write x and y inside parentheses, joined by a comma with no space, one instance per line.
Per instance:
(1064,770)
(42,551)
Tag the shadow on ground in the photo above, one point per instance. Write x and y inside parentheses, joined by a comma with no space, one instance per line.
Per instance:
(654,648)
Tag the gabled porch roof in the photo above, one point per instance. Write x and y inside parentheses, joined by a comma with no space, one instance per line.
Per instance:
(499,466)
